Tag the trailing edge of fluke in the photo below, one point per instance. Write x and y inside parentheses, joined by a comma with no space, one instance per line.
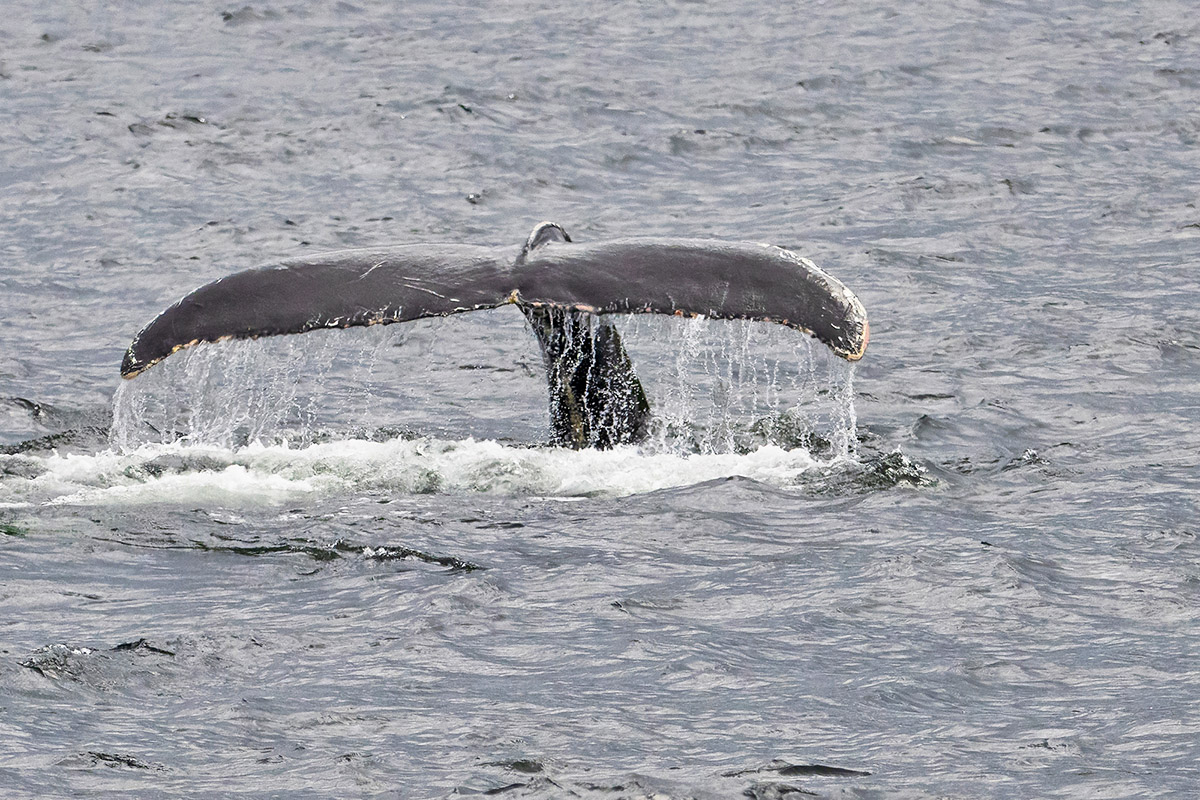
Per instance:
(379,286)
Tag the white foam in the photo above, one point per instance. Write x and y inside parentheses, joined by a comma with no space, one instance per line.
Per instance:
(269,475)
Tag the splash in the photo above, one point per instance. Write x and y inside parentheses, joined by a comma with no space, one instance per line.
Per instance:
(239,392)
(715,387)
(733,387)
(451,406)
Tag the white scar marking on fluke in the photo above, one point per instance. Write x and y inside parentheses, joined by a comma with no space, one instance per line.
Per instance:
(374,267)
(427,291)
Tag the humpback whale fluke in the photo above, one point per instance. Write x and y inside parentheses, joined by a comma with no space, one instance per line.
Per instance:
(560,286)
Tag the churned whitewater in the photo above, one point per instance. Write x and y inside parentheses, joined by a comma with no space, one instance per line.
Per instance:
(347,564)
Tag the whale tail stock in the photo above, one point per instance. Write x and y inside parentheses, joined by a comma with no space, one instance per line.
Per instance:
(563,289)
(596,399)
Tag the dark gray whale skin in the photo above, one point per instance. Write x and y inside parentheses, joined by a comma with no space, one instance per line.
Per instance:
(691,277)
(332,290)
(697,277)
(596,399)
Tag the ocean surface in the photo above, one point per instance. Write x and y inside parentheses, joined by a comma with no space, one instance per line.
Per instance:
(348,564)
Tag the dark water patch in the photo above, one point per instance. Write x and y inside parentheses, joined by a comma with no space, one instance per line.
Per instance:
(81,440)
(36,410)
(113,669)
(337,550)
(772,790)
(509,788)
(142,645)
(388,553)
(821,770)
(318,544)
(790,430)
(789,770)
(500,524)
(633,787)
(871,472)
(36,426)
(247,14)
(96,758)
(186,122)
(538,787)
(888,470)
(526,766)
(58,660)
(315,549)
(983,465)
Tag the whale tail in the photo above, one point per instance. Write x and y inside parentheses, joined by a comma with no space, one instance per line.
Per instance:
(564,290)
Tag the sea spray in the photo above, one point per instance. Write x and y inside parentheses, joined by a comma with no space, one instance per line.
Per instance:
(735,386)
(232,393)
(715,387)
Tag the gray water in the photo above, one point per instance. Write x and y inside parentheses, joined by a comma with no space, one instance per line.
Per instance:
(968,570)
